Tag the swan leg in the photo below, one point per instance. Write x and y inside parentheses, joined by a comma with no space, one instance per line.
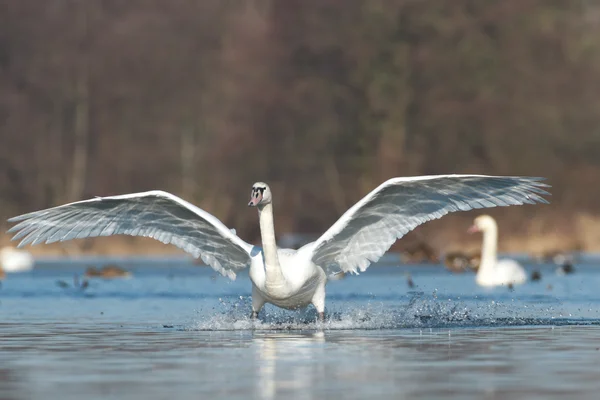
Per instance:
(318,301)
(257,303)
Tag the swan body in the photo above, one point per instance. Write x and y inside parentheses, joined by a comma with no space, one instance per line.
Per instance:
(14,260)
(298,287)
(287,278)
(494,272)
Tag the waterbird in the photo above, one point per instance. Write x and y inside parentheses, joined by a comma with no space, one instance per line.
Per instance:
(107,272)
(565,269)
(409,280)
(536,276)
(286,278)
(82,285)
(459,262)
(419,253)
(14,260)
(494,272)
(559,257)
(76,283)
(62,284)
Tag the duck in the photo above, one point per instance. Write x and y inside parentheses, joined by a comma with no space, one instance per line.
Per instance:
(565,269)
(456,261)
(420,253)
(81,285)
(475,261)
(14,260)
(285,278)
(560,256)
(459,261)
(107,272)
(77,284)
(491,271)
(409,280)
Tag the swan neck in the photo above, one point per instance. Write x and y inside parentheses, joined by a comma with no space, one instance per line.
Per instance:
(489,249)
(267,233)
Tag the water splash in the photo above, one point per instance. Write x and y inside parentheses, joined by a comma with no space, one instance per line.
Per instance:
(421,311)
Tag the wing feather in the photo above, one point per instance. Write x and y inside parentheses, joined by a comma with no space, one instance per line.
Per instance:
(368,229)
(155,214)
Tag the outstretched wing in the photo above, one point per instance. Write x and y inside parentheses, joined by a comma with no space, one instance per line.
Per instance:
(368,229)
(156,214)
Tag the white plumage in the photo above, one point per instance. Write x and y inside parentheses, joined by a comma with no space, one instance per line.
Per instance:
(14,260)
(284,277)
(494,272)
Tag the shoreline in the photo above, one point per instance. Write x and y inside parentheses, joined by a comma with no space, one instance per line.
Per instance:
(537,235)
(443,242)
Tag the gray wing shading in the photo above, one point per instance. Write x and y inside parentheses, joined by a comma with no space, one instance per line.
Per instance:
(155,214)
(368,229)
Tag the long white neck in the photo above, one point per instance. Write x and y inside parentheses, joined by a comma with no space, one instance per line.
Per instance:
(267,233)
(489,249)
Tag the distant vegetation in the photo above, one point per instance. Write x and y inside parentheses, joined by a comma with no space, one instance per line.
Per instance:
(323,99)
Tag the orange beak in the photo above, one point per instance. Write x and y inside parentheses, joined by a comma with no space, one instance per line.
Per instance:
(254,201)
(473,229)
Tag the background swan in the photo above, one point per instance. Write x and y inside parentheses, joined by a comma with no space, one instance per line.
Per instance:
(14,260)
(494,272)
(284,277)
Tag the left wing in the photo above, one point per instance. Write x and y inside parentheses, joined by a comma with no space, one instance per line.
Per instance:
(155,214)
(368,229)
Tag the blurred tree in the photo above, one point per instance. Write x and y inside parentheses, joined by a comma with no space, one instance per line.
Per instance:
(324,99)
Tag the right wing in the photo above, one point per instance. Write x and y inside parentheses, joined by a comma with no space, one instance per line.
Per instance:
(368,229)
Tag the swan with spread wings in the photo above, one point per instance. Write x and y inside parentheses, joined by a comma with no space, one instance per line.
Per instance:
(284,277)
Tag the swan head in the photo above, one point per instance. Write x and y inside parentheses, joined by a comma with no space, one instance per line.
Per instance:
(260,195)
(482,223)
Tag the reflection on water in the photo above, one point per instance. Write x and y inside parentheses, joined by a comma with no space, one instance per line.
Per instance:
(172,332)
(296,376)
(538,362)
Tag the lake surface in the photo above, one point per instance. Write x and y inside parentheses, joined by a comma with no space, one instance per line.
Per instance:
(178,331)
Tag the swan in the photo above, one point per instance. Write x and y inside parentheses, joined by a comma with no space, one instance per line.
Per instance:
(13,260)
(287,278)
(494,272)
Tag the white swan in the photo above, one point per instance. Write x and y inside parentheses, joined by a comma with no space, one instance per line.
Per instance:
(14,260)
(494,272)
(283,277)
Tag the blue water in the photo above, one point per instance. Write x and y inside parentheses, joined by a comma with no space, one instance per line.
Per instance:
(175,330)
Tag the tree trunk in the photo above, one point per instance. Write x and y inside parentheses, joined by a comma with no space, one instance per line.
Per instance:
(188,156)
(81,125)
(81,134)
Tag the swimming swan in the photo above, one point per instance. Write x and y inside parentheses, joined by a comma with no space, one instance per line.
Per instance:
(13,260)
(284,277)
(494,272)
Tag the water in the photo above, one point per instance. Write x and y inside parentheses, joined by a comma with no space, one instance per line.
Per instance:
(180,331)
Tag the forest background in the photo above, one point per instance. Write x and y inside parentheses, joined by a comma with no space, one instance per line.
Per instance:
(323,99)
